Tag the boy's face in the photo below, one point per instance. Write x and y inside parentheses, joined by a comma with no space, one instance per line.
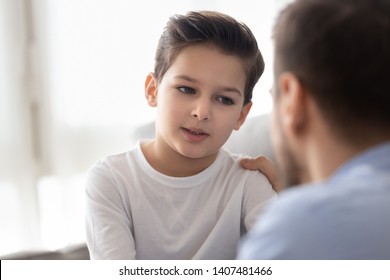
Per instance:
(199,101)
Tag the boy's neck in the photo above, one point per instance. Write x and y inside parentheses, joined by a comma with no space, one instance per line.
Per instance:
(169,162)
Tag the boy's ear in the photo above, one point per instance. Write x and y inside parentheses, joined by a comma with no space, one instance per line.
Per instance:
(151,90)
(244,113)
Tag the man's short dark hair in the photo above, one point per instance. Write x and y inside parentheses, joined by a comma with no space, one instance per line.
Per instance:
(340,52)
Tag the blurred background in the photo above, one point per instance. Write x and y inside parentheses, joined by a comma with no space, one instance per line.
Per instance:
(71,91)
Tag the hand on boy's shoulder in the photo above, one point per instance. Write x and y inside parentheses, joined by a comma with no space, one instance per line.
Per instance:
(264,165)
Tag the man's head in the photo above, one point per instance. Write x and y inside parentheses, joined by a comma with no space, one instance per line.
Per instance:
(331,61)
(224,32)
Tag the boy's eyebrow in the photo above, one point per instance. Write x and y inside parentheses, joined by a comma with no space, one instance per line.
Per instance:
(187,78)
(192,80)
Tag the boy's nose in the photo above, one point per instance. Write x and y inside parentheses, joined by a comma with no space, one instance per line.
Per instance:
(202,110)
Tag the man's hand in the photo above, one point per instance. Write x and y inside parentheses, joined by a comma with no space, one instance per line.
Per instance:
(265,166)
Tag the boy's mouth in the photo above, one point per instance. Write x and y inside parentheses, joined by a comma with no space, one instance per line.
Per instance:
(194,135)
(194,131)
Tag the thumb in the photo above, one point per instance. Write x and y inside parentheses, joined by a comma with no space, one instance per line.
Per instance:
(258,163)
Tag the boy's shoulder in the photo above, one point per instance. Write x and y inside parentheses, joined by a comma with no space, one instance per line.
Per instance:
(232,161)
(253,181)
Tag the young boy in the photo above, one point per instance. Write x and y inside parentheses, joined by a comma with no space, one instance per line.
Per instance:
(180,196)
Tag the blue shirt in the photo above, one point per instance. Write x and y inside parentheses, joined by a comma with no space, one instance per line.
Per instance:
(344,217)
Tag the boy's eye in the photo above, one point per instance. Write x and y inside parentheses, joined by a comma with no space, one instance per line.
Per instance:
(186,90)
(225,100)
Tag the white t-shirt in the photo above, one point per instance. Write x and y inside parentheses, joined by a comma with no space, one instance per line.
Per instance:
(135,212)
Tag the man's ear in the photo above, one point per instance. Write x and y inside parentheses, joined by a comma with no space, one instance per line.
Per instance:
(151,90)
(293,102)
(244,113)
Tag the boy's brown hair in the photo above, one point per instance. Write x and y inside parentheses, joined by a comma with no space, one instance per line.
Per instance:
(224,32)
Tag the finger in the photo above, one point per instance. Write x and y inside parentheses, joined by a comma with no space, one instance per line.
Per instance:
(254,163)
(265,166)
